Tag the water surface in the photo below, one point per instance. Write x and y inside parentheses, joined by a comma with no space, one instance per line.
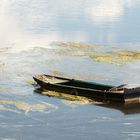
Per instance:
(89,40)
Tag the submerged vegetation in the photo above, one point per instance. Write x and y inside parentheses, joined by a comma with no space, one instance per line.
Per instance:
(31,82)
(117,57)
(9,105)
(2,50)
(92,51)
(73,49)
(2,64)
(72,99)
(57,72)
(74,45)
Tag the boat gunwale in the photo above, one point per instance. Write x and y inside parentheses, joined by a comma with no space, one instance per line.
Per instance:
(79,88)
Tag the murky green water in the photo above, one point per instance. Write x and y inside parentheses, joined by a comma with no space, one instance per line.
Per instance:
(94,40)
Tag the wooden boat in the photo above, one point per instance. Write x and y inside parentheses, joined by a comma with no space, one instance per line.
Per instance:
(91,90)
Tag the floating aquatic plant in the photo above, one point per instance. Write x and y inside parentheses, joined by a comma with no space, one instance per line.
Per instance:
(75,99)
(3,50)
(75,45)
(59,73)
(69,100)
(31,82)
(73,49)
(24,107)
(82,50)
(2,107)
(2,64)
(121,56)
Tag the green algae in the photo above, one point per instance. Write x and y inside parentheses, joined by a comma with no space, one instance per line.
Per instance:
(69,100)
(76,45)
(8,109)
(73,49)
(135,53)
(96,52)
(2,64)
(31,82)
(91,51)
(75,99)
(57,72)
(24,107)
(76,103)
(3,50)
(121,56)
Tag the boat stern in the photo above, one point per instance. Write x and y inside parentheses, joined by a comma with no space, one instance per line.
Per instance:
(132,93)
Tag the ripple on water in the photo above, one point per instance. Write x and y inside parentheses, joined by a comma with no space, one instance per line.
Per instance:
(133,134)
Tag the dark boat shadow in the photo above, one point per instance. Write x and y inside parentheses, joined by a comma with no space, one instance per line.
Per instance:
(127,109)
(130,108)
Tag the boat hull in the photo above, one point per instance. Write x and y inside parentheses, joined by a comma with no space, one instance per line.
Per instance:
(95,94)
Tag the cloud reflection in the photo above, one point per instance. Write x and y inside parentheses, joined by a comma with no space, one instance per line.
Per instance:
(29,22)
(108,10)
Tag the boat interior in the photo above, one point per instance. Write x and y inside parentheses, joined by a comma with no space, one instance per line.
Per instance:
(74,83)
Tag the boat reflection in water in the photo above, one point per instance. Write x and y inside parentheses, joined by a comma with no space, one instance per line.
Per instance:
(127,108)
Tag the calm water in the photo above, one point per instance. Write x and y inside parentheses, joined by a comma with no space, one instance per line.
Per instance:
(96,40)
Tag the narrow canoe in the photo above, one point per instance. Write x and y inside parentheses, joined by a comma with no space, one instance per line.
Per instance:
(91,90)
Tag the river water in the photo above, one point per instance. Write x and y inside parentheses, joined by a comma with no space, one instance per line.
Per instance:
(96,40)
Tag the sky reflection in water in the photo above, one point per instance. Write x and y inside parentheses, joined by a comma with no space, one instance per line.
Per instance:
(102,22)
(63,37)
